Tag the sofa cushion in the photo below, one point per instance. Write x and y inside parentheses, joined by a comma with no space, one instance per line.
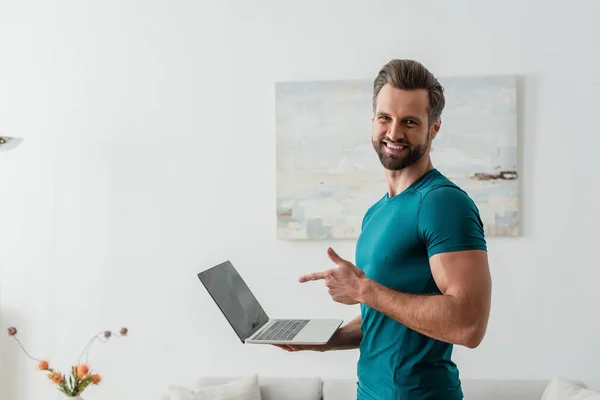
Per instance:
(277,388)
(339,388)
(560,389)
(496,389)
(238,389)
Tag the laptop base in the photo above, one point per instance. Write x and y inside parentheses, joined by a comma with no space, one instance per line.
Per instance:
(315,331)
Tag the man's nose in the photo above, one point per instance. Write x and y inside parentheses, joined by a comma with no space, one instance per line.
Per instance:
(396,132)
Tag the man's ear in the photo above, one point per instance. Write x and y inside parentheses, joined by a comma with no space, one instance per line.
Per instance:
(435,128)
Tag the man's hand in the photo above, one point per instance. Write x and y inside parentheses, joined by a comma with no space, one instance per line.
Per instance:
(347,337)
(331,345)
(345,282)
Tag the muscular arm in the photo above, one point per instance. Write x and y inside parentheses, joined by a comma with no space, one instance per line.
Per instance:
(459,315)
(449,226)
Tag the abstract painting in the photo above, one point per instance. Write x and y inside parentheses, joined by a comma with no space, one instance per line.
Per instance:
(328,173)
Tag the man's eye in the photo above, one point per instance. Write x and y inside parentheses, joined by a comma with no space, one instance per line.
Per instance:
(383,117)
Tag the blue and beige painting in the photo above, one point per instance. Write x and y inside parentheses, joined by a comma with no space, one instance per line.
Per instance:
(328,173)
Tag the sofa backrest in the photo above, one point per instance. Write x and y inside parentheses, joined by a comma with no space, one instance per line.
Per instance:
(278,388)
(496,389)
(314,388)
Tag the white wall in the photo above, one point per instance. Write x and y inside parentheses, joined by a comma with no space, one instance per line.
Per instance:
(149,155)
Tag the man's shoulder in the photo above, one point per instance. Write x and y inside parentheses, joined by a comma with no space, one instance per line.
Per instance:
(440,194)
(448,219)
(437,186)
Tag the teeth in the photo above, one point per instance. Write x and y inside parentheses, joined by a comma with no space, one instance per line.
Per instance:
(393,146)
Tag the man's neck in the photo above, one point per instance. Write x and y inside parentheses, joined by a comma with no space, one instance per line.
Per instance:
(398,181)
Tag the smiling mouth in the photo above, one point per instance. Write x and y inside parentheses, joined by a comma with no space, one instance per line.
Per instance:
(395,146)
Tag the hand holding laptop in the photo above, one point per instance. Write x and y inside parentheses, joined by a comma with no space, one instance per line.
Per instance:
(345,282)
(333,343)
(346,337)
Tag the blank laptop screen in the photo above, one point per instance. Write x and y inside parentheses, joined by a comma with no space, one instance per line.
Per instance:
(234,298)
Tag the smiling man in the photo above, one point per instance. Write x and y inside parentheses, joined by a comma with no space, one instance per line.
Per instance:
(421,276)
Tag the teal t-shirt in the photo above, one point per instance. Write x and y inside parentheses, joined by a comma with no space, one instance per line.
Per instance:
(399,235)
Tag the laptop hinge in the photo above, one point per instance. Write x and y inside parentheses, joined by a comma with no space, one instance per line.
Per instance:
(258,328)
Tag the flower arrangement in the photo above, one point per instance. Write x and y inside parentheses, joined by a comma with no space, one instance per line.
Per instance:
(80,376)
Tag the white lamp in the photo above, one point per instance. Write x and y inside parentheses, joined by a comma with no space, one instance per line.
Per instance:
(9,143)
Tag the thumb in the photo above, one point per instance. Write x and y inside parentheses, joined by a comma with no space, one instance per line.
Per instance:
(333,256)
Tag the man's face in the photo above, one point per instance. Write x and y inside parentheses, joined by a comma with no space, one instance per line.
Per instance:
(401,129)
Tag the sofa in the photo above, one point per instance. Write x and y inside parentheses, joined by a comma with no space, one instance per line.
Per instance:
(314,388)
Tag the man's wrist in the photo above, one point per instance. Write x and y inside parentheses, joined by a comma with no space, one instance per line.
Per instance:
(366,289)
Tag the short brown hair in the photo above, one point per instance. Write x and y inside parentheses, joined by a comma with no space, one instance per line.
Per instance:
(411,75)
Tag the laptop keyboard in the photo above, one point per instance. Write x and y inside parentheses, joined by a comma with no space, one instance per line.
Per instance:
(283,329)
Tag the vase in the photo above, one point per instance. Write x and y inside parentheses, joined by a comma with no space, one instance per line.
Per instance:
(65,397)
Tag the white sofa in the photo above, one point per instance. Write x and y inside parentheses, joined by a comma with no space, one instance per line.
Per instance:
(314,388)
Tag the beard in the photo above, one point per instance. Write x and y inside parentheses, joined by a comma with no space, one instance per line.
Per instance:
(392,162)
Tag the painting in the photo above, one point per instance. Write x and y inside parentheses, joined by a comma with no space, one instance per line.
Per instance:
(328,173)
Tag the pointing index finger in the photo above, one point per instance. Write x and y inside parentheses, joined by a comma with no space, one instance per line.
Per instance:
(312,277)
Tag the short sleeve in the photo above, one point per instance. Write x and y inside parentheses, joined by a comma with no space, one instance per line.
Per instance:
(448,220)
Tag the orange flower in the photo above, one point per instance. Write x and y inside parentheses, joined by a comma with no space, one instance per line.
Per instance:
(82,370)
(42,365)
(56,377)
(96,378)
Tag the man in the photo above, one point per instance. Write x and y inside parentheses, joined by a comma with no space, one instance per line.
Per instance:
(421,276)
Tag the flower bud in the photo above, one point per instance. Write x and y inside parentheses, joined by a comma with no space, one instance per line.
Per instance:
(107,334)
(12,331)
(56,377)
(124,331)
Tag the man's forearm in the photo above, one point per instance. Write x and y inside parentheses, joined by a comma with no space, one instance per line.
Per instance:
(348,336)
(442,317)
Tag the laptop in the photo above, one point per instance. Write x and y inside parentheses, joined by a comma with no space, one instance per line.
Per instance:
(248,318)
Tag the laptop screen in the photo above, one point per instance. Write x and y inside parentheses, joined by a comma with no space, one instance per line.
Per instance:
(234,298)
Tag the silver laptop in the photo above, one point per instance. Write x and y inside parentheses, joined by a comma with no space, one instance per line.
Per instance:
(249,320)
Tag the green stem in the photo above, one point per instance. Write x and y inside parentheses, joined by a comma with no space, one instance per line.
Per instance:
(87,353)
(88,346)
(99,337)
(25,351)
